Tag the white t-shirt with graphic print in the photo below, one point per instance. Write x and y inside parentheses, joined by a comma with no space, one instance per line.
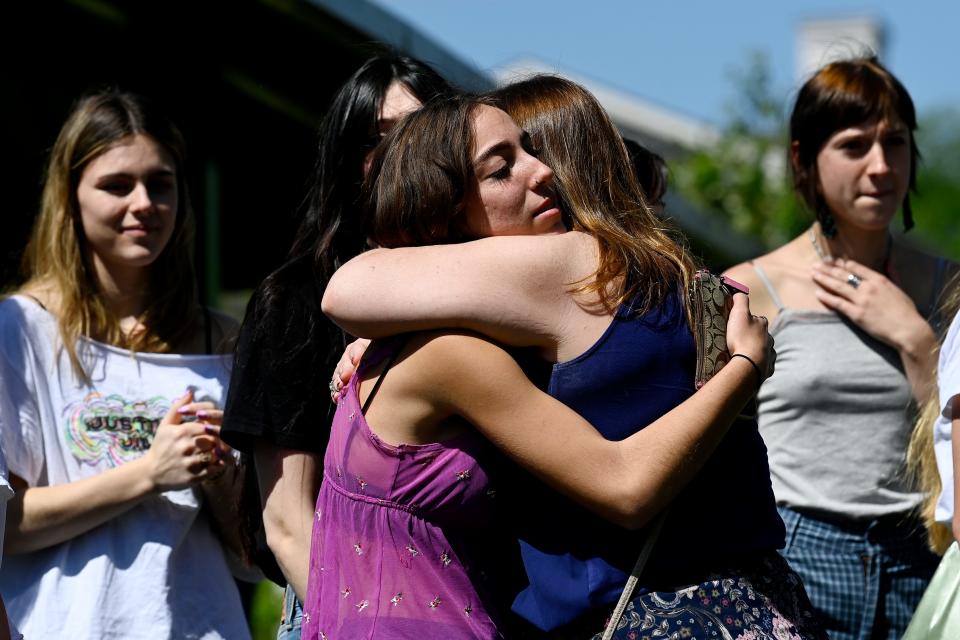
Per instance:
(156,571)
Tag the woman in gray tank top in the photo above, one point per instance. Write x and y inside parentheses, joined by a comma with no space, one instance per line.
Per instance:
(850,309)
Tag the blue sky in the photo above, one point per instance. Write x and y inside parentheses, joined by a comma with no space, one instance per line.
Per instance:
(680,53)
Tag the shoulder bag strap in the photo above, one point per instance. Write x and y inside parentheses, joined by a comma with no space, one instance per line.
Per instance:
(624,600)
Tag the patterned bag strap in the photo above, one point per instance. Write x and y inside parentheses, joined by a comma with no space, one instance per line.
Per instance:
(624,600)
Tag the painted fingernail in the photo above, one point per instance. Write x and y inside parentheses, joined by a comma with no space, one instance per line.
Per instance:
(210,430)
(185,410)
(202,414)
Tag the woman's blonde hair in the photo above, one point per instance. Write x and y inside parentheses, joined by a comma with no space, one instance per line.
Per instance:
(921,461)
(642,259)
(57,256)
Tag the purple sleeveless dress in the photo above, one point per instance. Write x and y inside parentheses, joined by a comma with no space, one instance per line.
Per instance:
(393,552)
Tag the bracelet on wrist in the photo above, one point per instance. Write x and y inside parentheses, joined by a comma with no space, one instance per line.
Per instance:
(753,364)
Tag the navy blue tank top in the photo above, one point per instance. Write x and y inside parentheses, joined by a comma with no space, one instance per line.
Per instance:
(640,369)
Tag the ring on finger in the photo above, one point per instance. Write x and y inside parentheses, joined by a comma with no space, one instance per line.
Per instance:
(206,458)
(854,280)
(333,386)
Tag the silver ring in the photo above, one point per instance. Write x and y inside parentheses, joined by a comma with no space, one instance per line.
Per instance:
(333,386)
(854,280)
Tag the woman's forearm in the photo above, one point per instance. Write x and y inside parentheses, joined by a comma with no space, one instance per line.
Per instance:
(289,483)
(626,482)
(513,289)
(40,517)
(672,450)
(918,349)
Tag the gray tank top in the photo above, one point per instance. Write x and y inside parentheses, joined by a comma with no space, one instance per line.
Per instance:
(836,416)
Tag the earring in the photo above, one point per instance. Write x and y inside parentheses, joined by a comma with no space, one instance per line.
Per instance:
(827,226)
(907,214)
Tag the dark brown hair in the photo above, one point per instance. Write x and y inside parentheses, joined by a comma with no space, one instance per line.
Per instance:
(598,189)
(57,256)
(419,178)
(651,170)
(843,94)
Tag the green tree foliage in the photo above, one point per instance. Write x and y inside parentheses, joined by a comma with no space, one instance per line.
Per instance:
(936,206)
(744,178)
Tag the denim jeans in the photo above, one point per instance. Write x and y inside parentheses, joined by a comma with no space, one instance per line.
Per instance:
(292,616)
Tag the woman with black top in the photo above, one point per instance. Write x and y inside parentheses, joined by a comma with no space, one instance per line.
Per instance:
(277,408)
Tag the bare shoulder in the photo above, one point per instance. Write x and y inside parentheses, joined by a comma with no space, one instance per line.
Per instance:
(775,266)
(745,273)
(467,363)
(455,351)
(437,379)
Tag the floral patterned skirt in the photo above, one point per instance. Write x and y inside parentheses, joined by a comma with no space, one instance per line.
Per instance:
(762,601)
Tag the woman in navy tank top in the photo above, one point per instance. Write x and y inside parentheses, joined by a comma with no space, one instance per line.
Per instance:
(603,303)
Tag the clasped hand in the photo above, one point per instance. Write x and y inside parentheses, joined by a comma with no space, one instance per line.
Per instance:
(185,453)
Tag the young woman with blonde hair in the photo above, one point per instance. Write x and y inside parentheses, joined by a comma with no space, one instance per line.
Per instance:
(105,353)
(603,304)
(933,460)
(929,462)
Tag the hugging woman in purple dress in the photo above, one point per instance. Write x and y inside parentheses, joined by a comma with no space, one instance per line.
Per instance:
(603,303)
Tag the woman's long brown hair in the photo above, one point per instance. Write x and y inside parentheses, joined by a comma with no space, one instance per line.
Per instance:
(57,256)
(642,259)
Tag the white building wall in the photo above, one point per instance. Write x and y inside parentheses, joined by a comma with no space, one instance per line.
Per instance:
(820,41)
